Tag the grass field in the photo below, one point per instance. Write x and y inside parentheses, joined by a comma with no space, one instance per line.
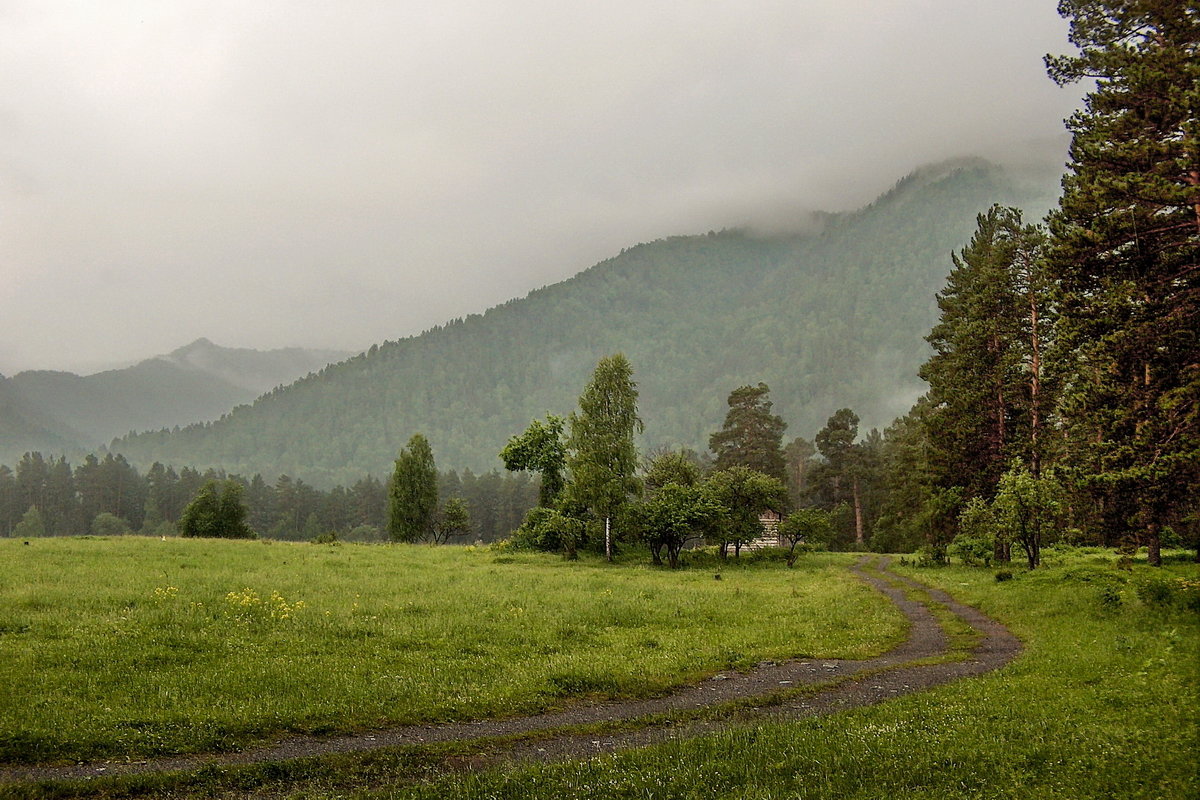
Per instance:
(133,646)
(1103,704)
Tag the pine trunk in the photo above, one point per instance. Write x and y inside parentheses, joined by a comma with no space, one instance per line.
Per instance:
(1001,434)
(1153,545)
(1001,551)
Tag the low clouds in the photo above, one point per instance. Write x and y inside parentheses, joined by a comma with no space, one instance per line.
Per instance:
(337,174)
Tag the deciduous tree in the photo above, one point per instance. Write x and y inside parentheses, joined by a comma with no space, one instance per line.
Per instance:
(540,449)
(603,456)
(1026,508)
(216,511)
(669,467)
(672,516)
(744,493)
(452,520)
(810,526)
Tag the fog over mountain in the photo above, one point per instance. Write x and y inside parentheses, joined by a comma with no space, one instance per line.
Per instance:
(832,317)
(332,175)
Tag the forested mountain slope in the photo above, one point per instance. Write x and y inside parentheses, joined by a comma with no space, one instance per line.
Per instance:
(24,427)
(61,412)
(830,318)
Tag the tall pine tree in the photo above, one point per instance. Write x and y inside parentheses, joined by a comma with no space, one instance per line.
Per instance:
(751,436)
(988,397)
(1126,251)
(849,467)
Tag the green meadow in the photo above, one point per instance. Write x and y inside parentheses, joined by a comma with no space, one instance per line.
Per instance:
(1103,703)
(132,646)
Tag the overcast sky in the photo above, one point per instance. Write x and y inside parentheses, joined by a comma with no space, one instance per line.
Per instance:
(333,174)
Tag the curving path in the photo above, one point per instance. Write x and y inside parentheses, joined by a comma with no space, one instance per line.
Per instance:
(851,684)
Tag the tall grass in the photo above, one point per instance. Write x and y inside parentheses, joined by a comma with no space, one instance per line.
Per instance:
(133,646)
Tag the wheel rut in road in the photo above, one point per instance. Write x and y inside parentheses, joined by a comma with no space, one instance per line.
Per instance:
(789,690)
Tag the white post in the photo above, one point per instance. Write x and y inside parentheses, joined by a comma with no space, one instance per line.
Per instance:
(607,540)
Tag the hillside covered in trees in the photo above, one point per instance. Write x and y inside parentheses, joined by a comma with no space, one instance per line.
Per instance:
(831,317)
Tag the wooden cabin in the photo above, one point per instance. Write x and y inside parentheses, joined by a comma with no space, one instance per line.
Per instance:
(769,537)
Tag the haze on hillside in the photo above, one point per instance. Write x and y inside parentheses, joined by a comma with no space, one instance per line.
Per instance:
(828,319)
(332,175)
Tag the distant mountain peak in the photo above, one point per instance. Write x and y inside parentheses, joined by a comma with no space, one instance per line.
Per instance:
(255,370)
(59,411)
(203,343)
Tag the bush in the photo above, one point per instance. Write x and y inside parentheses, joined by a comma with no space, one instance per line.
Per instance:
(163,530)
(976,540)
(364,533)
(106,524)
(761,555)
(972,550)
(931,556)
(329,537)
(31,525)
(1168,539)
(549,530)
(1004,575)
(1189,593)
(1075,537)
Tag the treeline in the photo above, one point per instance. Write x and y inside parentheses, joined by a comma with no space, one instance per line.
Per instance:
(108,496)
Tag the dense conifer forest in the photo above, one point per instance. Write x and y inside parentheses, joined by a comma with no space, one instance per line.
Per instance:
(107,496)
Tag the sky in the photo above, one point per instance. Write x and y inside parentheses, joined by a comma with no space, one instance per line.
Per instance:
(332,175)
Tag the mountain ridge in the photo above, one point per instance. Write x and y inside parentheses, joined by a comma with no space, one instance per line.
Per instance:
(828,319)
(56,411)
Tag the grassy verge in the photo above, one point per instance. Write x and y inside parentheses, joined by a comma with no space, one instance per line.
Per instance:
(135,647)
